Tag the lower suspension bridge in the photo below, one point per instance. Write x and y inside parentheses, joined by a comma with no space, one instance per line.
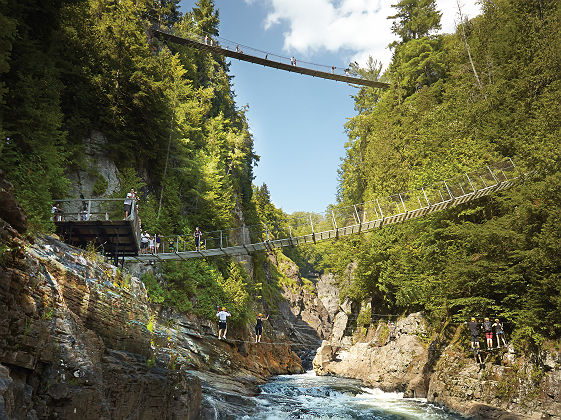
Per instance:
(81,225)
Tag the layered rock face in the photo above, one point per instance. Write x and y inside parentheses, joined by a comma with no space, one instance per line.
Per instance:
(67,350)
(506,386)
(78,338)
(508,383)
(378,361)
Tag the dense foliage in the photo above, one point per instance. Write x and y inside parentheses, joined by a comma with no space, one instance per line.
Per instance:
(72,68)
(491,90)
(456,102)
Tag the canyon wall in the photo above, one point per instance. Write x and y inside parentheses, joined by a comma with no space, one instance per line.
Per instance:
(79,338)
(419,363)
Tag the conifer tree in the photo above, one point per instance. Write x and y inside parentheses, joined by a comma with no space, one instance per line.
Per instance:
(415,19)
(206,17)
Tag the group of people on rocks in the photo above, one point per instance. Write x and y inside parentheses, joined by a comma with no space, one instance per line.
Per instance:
(490,329)
(223,315)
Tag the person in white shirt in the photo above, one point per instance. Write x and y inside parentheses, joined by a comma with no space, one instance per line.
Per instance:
(57,213)
(128,202)
(222,323)
(144,240)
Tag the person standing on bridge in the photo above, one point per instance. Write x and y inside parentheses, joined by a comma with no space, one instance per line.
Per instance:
(259,327)
(222,323)
(128,202)
(197,236)
(158,241)
(144,241)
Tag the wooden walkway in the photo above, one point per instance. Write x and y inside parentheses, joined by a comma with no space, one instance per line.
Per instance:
(369,216)
(239,55)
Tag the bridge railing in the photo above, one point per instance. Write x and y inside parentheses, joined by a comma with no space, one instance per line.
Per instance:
(434,196)
(90,209)
(233,46)
(380,211)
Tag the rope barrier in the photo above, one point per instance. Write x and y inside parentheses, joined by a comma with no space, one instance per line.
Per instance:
(269,53)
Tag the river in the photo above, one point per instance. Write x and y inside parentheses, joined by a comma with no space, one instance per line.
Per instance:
(308,396)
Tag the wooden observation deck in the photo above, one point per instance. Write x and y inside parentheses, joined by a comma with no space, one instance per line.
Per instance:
(99,223)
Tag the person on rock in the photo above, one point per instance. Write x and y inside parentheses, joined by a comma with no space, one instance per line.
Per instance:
(477,355)
(391,329)
(259,327)
(473,326)
(488,328)
(499,332)
(222,323)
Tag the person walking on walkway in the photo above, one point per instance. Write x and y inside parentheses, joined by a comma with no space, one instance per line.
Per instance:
(222,323)
(488,328)
(197,236)
(259,327)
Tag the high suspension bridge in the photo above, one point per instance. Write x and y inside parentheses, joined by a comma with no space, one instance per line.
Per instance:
(232,49)
(120,239)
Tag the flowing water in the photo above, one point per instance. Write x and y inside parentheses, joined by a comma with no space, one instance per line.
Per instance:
(308,396)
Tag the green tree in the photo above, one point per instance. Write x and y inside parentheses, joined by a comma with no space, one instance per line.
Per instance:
(206,17)
(415,19)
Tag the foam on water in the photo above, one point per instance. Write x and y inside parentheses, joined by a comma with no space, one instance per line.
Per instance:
(308,396)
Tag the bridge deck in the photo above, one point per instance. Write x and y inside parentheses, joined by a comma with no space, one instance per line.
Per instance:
(267,62)
(363,225)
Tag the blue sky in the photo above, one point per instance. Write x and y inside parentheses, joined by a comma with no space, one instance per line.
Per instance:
(298,121)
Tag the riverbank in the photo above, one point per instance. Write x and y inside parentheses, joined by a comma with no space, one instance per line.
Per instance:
(508,384)
(79,338)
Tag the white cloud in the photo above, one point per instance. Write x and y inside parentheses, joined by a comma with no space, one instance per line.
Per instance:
(358,27)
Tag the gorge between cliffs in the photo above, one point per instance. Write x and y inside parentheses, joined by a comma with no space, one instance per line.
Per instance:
(81,339)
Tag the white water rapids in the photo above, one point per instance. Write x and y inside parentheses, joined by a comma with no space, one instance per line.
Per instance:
(308,396)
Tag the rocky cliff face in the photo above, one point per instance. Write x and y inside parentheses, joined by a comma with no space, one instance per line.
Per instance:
(507,382)
(78,338)
(507,386)
(392,365)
